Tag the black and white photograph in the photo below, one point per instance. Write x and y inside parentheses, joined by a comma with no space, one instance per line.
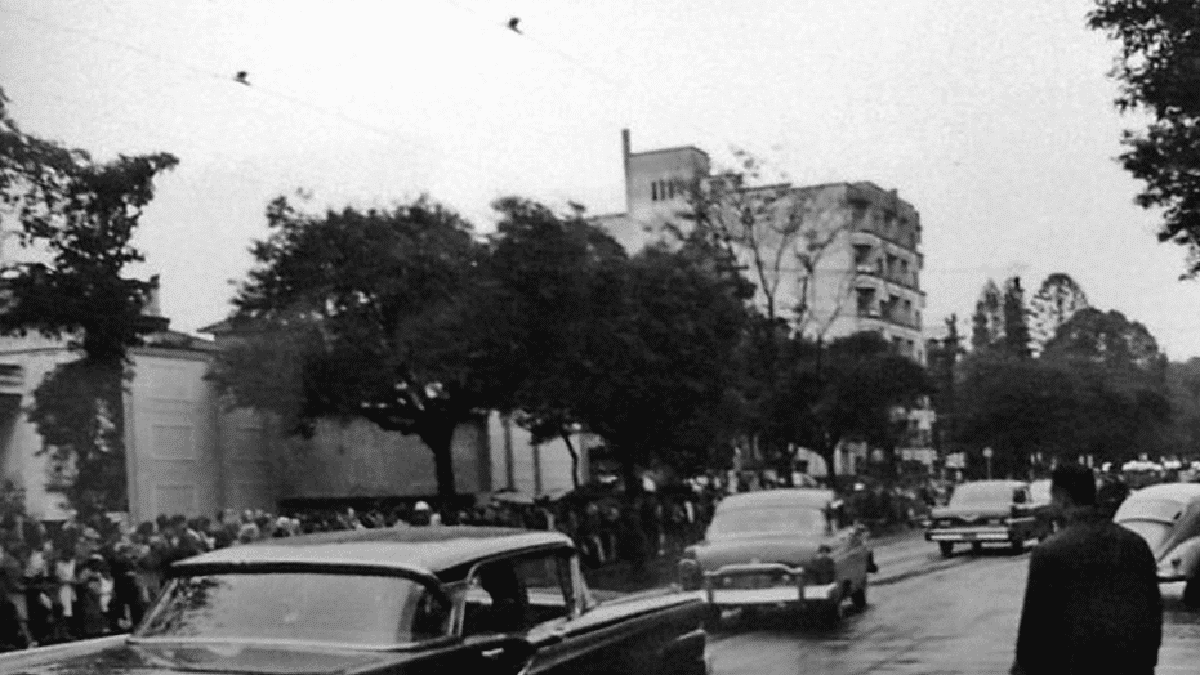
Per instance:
(770,337)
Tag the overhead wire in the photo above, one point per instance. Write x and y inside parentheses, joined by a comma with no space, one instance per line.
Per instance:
(230,77)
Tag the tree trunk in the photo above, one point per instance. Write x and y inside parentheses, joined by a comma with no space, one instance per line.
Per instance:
(439,437)
(574,459)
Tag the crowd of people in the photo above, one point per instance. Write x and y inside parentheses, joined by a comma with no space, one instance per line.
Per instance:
(72,580)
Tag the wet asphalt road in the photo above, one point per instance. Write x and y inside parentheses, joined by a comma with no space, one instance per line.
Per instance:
(924,615)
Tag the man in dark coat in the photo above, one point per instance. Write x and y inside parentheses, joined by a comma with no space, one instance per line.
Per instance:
(1092,603)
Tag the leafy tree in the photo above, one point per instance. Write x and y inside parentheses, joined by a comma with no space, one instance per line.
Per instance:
(374,314)
(659,388)
(1097,389)
(1018,407)
(81,214)
(1159,72)
(554,276)
(987,323)
(1016,329)
(848,390)
(944,357)
(782,237)
(1058,299)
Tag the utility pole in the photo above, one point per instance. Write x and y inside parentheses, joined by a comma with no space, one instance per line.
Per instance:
(987,455)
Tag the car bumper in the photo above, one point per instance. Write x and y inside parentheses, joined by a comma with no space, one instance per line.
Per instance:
(997,533)
(741,597)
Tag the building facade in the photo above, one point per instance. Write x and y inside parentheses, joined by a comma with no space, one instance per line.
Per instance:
(863,275)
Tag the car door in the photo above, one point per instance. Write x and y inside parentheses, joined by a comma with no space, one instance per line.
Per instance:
(658,633)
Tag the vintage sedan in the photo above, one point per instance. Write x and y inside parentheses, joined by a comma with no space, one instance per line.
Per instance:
(790,548)
(1167,516)
(987,511)
(397,600)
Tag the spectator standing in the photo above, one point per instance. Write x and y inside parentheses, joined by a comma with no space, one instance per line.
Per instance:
(1092,603)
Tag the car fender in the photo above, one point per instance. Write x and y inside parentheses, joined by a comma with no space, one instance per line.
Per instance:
(686,653)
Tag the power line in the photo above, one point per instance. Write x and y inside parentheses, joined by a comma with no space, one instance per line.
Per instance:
(161,58)
(736,146)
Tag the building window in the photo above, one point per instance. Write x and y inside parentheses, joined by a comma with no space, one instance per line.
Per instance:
(671,189)
(891,265)
(908,309)
(862,254)
(654,191)
(893,305)
(866,301)
(908,347)
(904,267)
(897,343)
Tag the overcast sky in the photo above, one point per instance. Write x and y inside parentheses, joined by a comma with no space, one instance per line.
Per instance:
(994,119)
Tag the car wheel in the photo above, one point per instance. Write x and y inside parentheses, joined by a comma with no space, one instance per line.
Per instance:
(947,548)
(1191,593)
(858,599)
(1018,546)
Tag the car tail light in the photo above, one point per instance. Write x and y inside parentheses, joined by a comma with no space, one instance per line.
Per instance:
(690,576)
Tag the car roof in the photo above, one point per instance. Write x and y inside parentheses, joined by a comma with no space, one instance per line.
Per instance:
(812,497)
(998,483)
(1172,491)
(426,551)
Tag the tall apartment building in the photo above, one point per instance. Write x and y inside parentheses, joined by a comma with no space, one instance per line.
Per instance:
(866,276)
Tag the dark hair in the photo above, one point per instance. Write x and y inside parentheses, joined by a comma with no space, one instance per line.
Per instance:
(1077,482)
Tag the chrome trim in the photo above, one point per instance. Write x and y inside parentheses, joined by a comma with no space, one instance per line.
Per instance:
(740,568)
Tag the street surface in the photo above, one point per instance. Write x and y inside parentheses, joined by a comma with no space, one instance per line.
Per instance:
(925,615)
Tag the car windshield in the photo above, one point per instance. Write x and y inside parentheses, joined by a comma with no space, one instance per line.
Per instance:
(1159,510)
(773,520)
(305,607)
(982,493)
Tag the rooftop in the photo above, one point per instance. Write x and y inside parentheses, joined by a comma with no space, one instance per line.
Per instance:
(1172,491)
(423,550)
(774,498)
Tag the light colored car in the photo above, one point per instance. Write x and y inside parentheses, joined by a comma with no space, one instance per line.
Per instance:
(1167,516)
(792,548)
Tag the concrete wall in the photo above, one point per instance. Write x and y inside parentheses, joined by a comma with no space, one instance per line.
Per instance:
(533,470)
(357,459)
(172,450)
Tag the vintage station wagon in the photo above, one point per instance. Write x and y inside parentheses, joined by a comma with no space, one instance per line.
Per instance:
(396,600)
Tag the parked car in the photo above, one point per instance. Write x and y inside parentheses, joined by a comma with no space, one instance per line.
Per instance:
(792,548)
(1167,516)
(396,600)
(987,511)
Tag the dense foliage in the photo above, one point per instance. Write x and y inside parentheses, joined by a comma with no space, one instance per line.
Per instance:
(80,216)
(1159,72)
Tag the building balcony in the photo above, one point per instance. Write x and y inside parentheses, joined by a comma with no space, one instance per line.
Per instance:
(12,378)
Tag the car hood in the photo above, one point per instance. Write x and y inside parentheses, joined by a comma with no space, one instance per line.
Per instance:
(743,550)
(120,658)
(973,510)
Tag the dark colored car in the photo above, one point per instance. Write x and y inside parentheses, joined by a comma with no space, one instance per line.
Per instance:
(987,511)
(398,600)
(1167,516)
(780,548)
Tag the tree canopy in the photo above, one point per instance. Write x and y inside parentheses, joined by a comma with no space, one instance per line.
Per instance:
(80,214)
(1159,72)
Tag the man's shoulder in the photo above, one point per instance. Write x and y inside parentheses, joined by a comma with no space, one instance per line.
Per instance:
(1070,540)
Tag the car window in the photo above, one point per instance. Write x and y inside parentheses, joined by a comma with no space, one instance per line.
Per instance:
(1019,497)
(774,520)
(514,595)
(970,494)
(309,607)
